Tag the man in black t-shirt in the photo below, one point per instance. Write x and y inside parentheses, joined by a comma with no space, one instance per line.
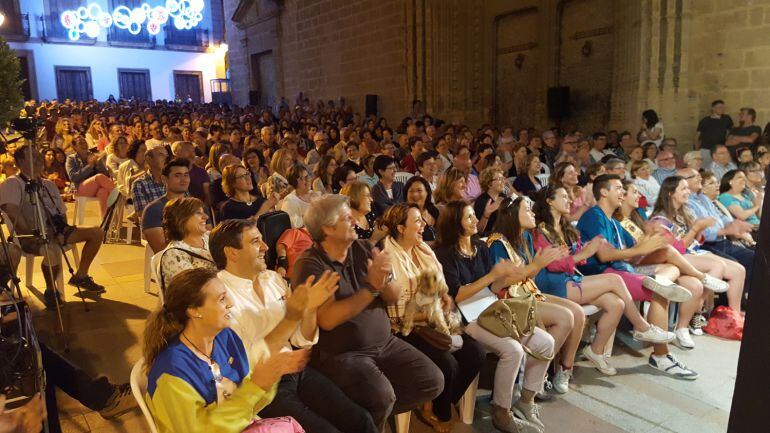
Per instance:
(356,348)
(713,130)
(746,134)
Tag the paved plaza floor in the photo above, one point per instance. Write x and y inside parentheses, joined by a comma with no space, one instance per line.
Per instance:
(106,341)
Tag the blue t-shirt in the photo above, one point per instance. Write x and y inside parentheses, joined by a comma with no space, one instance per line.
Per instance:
(728,200)
(179,361)
(152,217)
(595,223)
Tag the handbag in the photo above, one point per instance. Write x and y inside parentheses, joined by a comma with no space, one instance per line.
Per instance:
(516,315)
(439,340)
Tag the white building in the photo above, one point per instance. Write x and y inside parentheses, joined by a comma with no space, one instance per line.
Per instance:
(145,49)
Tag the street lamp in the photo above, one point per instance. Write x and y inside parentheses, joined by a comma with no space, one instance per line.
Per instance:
(2,18)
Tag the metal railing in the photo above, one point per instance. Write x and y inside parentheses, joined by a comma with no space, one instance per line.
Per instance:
(52,30)
(16,28)
(123,37)
(193,38)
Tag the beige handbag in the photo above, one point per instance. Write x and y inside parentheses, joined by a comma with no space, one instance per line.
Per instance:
(515,316)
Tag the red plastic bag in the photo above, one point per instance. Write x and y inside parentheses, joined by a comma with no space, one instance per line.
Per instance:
(726,323)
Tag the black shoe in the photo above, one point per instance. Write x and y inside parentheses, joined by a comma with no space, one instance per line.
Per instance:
(87,283)
(50,297)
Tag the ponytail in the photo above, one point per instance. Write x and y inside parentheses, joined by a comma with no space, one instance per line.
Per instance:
(184,291)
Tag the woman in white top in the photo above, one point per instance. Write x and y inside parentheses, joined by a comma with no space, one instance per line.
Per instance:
(645,183)
(184,223)
(117,153)
(133,168)
(296,203)
(652,128)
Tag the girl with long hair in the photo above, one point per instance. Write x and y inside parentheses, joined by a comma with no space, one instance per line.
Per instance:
(451,187)
(199,377)
(561,278)
(468,270)
(672,217)
(565,175)
(324,173)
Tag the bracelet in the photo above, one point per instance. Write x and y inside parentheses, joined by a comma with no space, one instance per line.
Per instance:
(282,262)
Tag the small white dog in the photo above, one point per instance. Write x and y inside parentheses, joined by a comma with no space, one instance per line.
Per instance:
(427,300)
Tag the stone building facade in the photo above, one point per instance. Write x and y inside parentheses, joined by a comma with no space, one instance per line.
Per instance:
(479,61)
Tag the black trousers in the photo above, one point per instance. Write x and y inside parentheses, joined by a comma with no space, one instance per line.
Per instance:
(738,253)
(62,374)
(459,369)
(318,405)
(393,377)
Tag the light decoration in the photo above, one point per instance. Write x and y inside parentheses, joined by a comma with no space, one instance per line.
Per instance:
(91,19)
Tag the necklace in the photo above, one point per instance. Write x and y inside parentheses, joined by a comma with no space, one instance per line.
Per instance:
(215,370)
(467,255)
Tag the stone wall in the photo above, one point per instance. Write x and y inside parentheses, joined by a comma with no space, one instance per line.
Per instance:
(478,61)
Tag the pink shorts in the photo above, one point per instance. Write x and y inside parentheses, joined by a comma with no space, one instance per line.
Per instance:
(284,424)
(633,283)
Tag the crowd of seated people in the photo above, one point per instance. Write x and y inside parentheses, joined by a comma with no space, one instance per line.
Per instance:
(318,342)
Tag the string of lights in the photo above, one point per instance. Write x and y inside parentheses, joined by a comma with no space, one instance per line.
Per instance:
(91,19)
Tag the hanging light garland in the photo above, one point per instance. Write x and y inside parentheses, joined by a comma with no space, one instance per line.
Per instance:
(91,19)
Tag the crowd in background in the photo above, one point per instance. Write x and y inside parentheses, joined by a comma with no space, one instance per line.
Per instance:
(577,218)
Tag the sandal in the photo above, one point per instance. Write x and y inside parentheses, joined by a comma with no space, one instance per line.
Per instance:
(426,415)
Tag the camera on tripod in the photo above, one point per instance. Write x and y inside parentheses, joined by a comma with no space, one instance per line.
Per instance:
(26,126)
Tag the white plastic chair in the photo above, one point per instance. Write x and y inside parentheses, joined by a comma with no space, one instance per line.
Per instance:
(468,402)
(402,176)
(29,260)
(594,313)
(139,389)
(402,422)
(148,277)
(80,208)
(155,269)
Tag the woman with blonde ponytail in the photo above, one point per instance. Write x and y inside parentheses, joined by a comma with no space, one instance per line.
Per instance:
(199,377)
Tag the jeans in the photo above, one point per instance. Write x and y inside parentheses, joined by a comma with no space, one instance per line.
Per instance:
(459,369)
(60,373)
(318,405)
(393,377)
(744,256)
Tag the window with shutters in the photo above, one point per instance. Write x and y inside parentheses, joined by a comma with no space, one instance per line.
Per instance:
(74,83)
(135,84)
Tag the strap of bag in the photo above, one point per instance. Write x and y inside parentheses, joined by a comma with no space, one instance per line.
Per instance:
(190,253)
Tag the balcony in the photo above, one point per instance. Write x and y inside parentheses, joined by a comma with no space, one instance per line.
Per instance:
(52,30)
(192,40)
(15,28)
(123,38)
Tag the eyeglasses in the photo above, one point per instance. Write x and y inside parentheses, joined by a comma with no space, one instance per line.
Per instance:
(243,176)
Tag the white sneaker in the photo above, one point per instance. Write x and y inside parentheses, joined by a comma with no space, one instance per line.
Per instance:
(529,412)
(683,339)
(600,362)
(667,288)
(654,335)
(670,365)
(715,284)
(561,380)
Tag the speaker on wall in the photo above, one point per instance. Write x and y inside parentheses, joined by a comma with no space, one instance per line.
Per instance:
(372,102)
(558,102)
(254,97)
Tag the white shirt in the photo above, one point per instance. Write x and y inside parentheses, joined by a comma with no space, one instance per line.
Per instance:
(649,188)
(253,318)
(295,207)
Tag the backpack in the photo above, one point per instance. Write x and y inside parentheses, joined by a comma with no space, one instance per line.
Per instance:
(726,323)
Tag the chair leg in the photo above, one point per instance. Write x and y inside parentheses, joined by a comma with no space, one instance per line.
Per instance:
(30,268)
(468,402)
(129,232)
(147,268)
(402,422)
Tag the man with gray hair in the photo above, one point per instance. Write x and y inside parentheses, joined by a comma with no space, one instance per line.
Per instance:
(356,348)
(616,166)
